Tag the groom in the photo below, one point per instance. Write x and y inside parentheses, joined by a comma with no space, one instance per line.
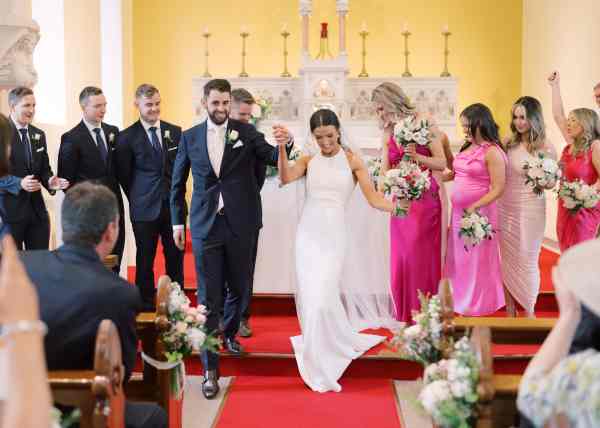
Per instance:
(224,216)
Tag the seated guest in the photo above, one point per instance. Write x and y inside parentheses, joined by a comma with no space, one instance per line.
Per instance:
(558,389)
(76,291)
(24,392)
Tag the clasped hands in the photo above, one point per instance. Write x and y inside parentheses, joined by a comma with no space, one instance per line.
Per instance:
(281,134)
(30,184)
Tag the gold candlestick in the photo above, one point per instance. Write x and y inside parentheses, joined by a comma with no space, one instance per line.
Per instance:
(244,34)
(285,34)
(364,33)
(406,73)
(206,36)
(446,34)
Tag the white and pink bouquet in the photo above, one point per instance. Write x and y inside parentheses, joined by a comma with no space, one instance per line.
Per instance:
(424,341)
(184,335)
(411,130)
(541,173)
(474,228)
(576,195)
(374,169)
(449,393)
(406,182)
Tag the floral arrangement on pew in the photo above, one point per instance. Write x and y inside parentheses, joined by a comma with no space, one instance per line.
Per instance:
(60,420)
(541,172)
(474,228)
(576,195)
(185,334)
(449,393)
(293,156)
(425,341)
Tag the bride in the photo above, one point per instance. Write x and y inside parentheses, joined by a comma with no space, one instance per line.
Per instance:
(329,340)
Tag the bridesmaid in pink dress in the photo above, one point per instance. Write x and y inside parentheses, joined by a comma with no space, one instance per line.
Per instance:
(415,240)
(580,161)
(523,212)
(479,176)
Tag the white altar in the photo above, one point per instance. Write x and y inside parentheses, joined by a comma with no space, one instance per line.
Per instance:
(325,83)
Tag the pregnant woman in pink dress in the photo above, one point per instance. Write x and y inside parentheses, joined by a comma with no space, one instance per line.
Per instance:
(522,211)
(415,240)
(580,161)
(479,177)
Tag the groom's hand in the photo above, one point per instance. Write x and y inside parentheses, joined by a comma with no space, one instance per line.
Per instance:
(179,238)
(281,134)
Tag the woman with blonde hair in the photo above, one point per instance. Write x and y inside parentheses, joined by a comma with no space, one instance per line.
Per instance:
(580,161)
(522,211)
(415,240)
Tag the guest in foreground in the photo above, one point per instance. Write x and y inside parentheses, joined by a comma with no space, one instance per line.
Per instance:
(556,389)
(479,178)
(77,292)
(580,160)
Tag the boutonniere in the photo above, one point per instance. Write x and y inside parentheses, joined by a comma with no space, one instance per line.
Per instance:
(232,136)
(167,135)
(111,137)
(37,136)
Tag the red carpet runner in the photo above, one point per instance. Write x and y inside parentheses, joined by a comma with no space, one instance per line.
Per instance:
(259,402)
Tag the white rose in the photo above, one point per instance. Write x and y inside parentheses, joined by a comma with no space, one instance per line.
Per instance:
(180,327)
(549,165)
(168,134)
(398,129)
(412,332)
(459,389)
(569,202)
(535,172)
(466,223)
(580,194)
(37,137)
(111,137)
(591,201)
(233,135)
(196,337)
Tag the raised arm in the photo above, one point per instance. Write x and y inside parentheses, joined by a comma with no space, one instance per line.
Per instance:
(374,198)
(558,111)
(496,166)
(288,173)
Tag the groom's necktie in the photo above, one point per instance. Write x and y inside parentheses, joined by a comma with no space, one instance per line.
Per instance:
(154,139)
(100,144)
(27,145)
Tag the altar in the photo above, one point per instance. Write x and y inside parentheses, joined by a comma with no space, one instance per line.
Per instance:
(324,82)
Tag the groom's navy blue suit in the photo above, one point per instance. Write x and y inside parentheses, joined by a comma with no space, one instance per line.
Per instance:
(222,241)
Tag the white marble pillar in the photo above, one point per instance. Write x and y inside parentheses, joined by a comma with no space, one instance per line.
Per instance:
(342,7)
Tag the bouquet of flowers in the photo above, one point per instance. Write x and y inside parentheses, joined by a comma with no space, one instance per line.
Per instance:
(185,333)
(576,195)
(374,168)
(262,110)
(407,182)
(422,342)
(474,228)
(60,420)
(449,393)
(293,156)
(411,130)
(540,172)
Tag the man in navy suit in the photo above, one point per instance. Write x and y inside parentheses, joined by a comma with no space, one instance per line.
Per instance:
(224,217)
(145,155)
(87,152)
(25,212)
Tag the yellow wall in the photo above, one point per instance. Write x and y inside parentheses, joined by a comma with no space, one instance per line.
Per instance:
(485,45)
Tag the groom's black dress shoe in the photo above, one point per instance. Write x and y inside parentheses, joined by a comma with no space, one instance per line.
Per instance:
(210,385)
(233,346)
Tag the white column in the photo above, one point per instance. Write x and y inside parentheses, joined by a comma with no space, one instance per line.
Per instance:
(305,11)
(342,11)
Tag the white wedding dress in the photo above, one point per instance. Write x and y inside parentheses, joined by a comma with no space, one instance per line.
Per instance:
(329,341)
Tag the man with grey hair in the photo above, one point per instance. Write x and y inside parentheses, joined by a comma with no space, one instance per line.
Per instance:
(145,155)
(25,211)
(87,152)
(76,291)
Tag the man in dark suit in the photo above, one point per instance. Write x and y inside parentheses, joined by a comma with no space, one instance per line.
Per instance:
(242,103)
(87,152)
(76,291)
(145,155)
(26,212)
(224,216)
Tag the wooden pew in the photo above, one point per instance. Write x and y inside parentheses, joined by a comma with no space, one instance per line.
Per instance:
(97,393)
(152,384)
(503,330)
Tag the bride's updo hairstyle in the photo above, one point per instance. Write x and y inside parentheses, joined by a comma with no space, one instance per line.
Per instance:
(325,117)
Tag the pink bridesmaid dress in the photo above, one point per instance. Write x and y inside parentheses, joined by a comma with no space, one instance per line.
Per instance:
(575,228)
(475,274)
(522,220)
(415,245)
